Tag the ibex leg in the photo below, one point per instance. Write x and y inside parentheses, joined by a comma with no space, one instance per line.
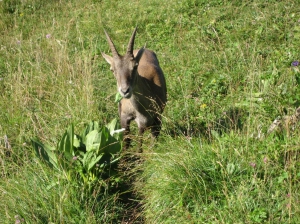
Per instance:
(155,129)
(125,123)
(141,132)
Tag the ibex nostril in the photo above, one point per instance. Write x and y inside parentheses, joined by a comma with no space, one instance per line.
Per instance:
(126,91)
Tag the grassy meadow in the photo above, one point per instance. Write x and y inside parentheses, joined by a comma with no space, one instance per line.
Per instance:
(231,69)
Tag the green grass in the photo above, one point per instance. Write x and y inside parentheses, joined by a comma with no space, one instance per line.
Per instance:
(229,181)
(34,193)
(229,75)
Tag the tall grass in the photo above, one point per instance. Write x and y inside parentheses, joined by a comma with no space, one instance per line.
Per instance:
(229,181)
(229,75)
(34,193)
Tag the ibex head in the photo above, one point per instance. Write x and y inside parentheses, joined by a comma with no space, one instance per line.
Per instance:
(124,67)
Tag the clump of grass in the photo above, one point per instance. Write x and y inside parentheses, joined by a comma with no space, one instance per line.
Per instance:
(228,180)
(34,193)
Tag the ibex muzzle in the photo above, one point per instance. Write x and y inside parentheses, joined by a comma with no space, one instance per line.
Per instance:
(141,83)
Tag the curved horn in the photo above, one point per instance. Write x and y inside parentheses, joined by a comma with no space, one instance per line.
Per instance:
(112,46)
(131,43)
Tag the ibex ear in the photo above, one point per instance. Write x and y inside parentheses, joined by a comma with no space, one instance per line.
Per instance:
(108,58)
(139,54)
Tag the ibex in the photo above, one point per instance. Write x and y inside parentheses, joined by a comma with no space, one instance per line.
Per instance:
(142,85)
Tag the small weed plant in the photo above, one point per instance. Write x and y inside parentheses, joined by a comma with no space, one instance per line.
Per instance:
(87,157)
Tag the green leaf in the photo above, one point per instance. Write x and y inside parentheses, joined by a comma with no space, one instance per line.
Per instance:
(86,159)
(93,162)
(93,125)
(45,152)
(109,144)
(70,139)
(112,126)
(118,97)
(89,160)
(93,140)
(76,141)
(103,134)
(66,143)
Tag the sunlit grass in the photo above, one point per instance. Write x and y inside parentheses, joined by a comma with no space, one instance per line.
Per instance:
(229,75)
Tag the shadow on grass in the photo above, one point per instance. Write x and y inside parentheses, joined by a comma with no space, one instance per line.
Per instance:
(128,169)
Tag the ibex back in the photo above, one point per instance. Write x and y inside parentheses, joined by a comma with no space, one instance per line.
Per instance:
(141,83)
